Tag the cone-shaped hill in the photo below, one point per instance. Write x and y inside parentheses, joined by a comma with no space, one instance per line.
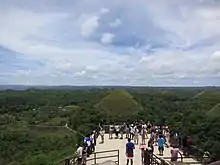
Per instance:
(118,102)
(209,96)
(214,112)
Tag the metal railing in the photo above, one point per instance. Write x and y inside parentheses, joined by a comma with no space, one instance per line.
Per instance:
(94,157)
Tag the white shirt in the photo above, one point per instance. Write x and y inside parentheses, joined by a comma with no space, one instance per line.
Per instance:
(92,138)
(117,128)
(79,152)
(132,130)
(101,132)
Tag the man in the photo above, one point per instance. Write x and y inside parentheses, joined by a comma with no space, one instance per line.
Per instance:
(160,143)
(92,139)
(111,130)
(136,136)
(79,154)
(129,151)
(102,133)
(117,129)
(132,130)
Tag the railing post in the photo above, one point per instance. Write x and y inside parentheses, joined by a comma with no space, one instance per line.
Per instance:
(94,158)
(118,157)
(67,162)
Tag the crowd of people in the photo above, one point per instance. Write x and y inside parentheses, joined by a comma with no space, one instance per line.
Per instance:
(136,134)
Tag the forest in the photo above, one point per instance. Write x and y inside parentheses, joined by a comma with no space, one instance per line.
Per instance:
(32,121)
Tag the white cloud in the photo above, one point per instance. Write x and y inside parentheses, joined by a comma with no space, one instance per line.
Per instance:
(104,10)
(107,38)
(116,23)
(177,43)
(89,26)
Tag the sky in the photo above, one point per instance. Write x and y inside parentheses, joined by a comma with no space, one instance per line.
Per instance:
(110,42)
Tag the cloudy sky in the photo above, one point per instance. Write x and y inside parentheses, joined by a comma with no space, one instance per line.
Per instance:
(110,42)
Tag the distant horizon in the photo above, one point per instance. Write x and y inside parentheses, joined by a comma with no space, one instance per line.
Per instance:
(41,85)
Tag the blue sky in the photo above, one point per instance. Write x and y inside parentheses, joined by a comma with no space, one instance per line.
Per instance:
(102,42)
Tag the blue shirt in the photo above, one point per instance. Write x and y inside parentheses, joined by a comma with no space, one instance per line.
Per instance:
(129,148)
(160,142)
(86,139)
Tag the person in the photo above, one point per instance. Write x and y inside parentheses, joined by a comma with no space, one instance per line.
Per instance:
(102,135)
(132,130)
(143,135)
(122,128)
(151,146)
(79,154)
(174,153)
(136,136)
(127,131)
(88,142)
(160,143)
(188,145)
(142,148)
(148,126)
(117,129)
(111,130)
(129,151)
(85,147)
(92,139)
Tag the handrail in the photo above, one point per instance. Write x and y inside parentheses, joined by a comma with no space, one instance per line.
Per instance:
(95,158)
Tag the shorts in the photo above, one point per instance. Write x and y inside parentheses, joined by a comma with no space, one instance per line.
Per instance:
(160,148)
(130,156)
(174,159)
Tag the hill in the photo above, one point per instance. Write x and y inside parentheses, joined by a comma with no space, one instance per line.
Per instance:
(118,103)
(214,112)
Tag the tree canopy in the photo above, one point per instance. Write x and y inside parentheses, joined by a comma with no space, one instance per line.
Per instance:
(32,121)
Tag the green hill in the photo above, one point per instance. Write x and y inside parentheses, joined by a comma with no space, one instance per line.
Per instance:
(214,112)
(118,102)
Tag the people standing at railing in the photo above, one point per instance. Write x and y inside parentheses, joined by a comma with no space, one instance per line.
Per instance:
(79,155)
(187,144)
(88,142)
(92,139)
(142,148)
(174,153)
(129,151)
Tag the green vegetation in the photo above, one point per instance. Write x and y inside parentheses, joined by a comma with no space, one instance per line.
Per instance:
(118,103)
(32,121)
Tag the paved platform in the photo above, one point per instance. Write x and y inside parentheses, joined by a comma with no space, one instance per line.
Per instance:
(115,144)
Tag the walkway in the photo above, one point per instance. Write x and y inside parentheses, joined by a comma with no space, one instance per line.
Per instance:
(114,144)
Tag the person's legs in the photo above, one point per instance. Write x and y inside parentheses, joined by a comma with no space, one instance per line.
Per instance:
(131,161)
(121,135)
(127,161)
